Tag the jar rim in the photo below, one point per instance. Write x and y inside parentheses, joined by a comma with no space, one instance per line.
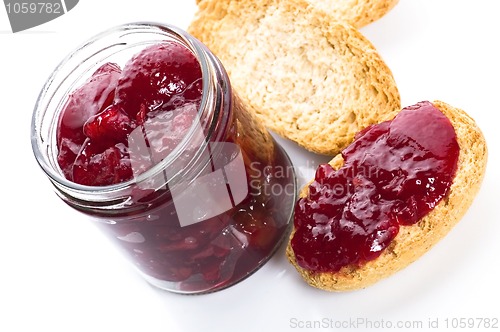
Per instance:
(196,47)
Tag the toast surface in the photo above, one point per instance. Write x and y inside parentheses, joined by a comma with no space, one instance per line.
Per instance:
(358,13)
(355,12)
(415,240)
(306,76)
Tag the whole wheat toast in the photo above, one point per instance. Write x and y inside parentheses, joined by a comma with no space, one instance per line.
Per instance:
(305,75)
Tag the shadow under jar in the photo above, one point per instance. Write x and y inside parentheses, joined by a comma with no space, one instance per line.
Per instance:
(164,157)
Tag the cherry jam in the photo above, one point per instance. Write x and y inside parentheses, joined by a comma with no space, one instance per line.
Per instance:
(141,131)
(394,173)
(156,95)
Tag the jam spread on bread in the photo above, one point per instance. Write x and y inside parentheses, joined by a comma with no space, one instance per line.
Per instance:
(394,173)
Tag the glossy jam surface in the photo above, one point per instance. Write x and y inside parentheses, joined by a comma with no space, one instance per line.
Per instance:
(156,96)
(154,99)
(394,173)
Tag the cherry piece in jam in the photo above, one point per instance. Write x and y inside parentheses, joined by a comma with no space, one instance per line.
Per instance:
(112,125)
(161,77)
(88,100)
(394,173)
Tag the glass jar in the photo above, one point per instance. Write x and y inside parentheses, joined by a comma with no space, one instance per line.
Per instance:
(207,214)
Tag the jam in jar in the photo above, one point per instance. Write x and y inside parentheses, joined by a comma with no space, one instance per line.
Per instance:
(140,130)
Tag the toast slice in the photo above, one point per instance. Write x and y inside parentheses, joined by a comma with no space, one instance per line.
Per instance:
(306,76)
(413,241)
(355,12)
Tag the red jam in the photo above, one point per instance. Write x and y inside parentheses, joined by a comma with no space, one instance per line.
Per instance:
(394,173)
(98,118)
(96,125)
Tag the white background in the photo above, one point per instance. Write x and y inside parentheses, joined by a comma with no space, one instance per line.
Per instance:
(57,273)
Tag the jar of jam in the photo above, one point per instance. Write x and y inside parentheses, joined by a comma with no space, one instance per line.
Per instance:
(140,130)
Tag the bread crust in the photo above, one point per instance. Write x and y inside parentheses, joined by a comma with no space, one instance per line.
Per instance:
(415,240)
(306,76)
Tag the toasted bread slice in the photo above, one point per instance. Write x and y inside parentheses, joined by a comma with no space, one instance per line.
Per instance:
(355,12)
(308,77)
(413,241)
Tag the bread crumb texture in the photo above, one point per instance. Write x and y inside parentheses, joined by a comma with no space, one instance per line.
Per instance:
(358,13)
(307,76)
(413,241)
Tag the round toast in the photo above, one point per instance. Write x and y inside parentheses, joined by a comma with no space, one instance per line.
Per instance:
(305,75)
(415,240)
